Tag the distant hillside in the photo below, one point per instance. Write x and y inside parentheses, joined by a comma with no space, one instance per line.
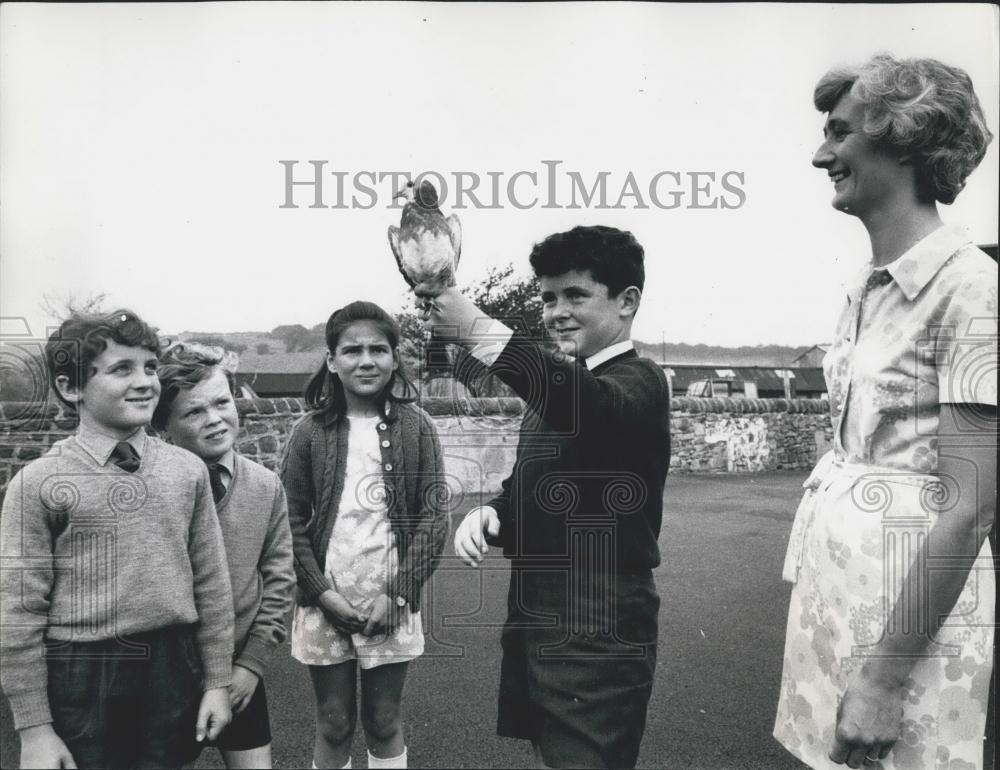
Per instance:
(265,351)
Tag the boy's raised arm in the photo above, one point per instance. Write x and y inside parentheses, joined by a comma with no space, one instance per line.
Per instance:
(551,383)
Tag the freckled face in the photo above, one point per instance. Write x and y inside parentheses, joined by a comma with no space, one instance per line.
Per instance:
(364,360)
(204,419)
(121,390)
(580,315)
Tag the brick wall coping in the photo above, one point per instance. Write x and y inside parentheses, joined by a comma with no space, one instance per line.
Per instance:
(15,415)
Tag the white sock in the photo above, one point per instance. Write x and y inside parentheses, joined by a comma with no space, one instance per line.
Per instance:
(346,767)
(387,762)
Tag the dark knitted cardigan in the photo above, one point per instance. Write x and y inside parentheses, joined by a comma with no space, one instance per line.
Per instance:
(313,473)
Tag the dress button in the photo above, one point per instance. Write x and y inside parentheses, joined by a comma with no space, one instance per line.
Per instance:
(385,443)
(388,466)
(381,426)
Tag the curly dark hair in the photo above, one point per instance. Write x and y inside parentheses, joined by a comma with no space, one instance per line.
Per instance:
(71,350)
(919,107)
(613,257)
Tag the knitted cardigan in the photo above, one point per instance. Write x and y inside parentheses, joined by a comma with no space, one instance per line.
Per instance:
(417,496)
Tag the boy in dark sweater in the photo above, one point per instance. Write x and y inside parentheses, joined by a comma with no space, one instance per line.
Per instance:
(117,614)
(579,515)
(197,412)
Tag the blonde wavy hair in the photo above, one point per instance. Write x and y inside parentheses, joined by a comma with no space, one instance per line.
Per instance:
(919,107)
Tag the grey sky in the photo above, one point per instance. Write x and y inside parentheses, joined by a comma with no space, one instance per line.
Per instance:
(140,148)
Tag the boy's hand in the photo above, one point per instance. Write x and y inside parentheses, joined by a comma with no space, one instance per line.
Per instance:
(41,747)
(383,618)
(341,612)
(452,315)
(242,688)
(213,714)
(470,537)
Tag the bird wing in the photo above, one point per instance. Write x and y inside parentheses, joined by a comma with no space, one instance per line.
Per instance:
(455,232)
(394,245)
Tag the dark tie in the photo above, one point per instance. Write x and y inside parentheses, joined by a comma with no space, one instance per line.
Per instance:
(215,477)
(125,457)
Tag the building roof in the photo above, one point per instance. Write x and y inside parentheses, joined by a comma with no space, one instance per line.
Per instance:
(252,362)
(822,348)
(805,378)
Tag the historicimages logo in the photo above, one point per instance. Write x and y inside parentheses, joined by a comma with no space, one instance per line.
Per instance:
(313,184)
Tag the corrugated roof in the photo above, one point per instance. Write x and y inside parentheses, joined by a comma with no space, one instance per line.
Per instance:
(804,378)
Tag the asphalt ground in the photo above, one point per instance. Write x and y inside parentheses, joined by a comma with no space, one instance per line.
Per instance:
(722,622)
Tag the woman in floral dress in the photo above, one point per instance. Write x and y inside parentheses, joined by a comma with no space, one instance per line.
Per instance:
(889,644)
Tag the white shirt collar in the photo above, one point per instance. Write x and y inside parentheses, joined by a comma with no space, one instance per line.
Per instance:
(227,461)
(608,353)
(100,445)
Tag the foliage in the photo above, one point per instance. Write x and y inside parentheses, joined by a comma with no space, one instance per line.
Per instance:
(514,300)
(217,340)
(502,295)
(298,338)
(65,306)
(263,349)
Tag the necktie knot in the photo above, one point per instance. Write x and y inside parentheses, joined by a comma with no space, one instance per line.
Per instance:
(215,478)
(125,457)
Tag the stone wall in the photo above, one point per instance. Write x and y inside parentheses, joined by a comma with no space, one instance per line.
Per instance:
(479,436)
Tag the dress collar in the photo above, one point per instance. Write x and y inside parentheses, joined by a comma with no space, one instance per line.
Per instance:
(915,268)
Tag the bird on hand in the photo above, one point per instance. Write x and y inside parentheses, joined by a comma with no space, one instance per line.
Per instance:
(427,245)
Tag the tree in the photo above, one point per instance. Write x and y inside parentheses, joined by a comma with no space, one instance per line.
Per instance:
(514,300)
(297,337)
(502,295)
(218,341)
(263,349)
(70,304)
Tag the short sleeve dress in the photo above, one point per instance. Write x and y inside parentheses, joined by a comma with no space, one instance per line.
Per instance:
(919,333)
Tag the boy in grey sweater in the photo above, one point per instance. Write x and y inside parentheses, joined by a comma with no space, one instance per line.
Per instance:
(197,412)
(116,608)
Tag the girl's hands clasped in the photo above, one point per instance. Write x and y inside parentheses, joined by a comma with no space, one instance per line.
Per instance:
(341,613)
(384,617)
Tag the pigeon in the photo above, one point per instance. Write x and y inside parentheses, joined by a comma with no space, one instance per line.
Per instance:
(427,245)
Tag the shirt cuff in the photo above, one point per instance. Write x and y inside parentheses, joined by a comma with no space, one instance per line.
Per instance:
(498,335)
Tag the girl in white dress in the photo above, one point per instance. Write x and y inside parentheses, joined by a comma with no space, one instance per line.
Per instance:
(369,517)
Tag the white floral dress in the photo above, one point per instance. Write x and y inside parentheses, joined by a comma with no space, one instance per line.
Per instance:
(919,333)
(361,558)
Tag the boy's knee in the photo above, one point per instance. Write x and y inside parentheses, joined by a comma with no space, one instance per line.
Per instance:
(381,720)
